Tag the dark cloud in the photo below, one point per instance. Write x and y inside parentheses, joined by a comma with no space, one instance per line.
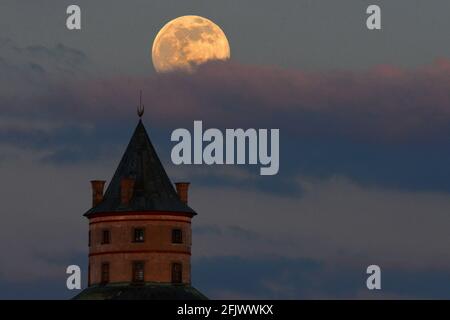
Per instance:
(39,60)
(385,126)
(286,278)
(384,103)
(334,220)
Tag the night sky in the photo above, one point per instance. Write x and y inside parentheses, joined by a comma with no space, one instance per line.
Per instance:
(364,119)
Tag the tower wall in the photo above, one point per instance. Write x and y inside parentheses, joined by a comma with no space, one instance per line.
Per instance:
(157,251)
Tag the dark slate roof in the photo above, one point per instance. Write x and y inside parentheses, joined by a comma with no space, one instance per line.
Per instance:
(153,190)
(148,291)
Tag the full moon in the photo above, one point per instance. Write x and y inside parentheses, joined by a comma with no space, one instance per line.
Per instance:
(188,41)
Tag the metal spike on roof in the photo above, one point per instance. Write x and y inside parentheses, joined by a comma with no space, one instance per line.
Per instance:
(140,108)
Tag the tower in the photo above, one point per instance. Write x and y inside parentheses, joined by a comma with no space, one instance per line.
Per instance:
(140,230)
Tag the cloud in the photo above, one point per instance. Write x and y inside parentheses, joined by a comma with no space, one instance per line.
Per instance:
(384,126)
(383,103)
(38,62)
(28,73)
(234,277)
(336,221)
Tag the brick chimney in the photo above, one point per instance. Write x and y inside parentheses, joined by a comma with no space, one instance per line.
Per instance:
(182,190)
(126,190)
(97,191)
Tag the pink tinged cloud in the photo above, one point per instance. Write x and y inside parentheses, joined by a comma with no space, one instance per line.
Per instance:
(385,102)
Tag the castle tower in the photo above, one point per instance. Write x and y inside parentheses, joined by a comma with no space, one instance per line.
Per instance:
(140,231)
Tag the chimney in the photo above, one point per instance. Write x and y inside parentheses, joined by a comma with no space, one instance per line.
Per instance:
(182,190)
(126,190)
(97,191)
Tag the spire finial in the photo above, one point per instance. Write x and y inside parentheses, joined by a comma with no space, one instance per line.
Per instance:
(140,108)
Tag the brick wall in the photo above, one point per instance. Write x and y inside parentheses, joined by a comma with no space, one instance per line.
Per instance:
(157,251)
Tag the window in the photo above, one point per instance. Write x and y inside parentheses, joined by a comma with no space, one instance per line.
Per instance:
(177,236)
(105,273)
(106,237)
(177,273)
(138,235)
(138,271)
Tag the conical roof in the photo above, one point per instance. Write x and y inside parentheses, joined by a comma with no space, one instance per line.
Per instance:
(153,190)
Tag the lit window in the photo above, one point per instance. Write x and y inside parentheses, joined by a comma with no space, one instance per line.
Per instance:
(106,237)
(177,273)
(177,236)
(105,273)
(138,235)
(138,271)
